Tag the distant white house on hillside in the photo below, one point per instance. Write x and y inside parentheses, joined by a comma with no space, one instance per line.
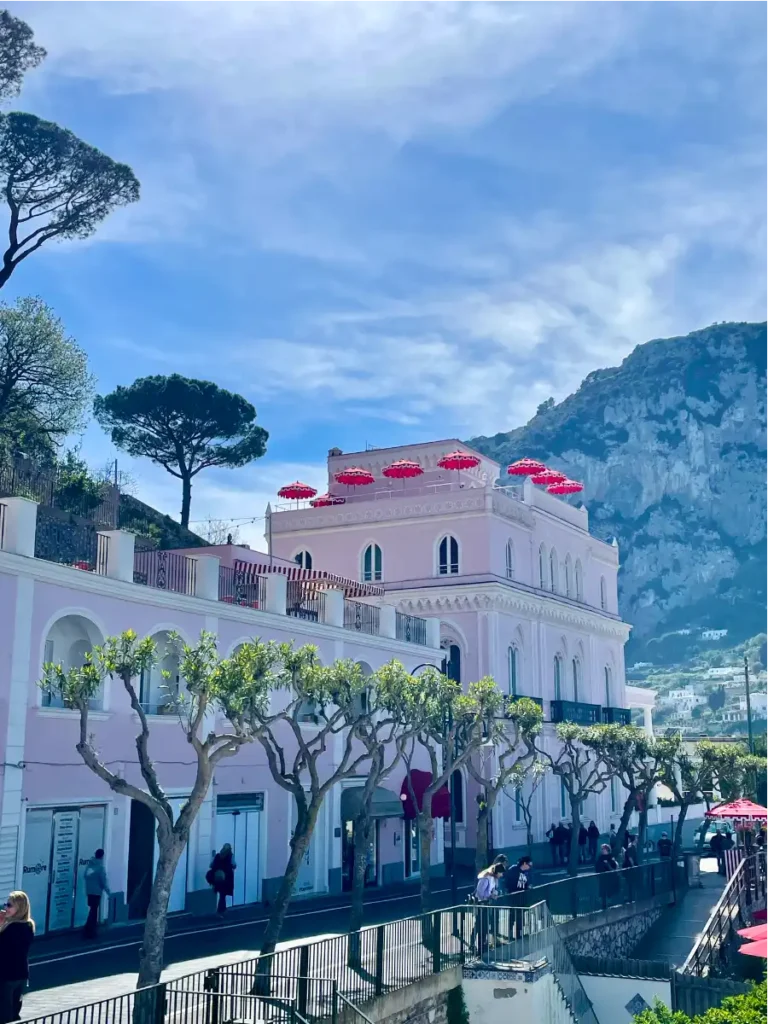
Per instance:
(714,634)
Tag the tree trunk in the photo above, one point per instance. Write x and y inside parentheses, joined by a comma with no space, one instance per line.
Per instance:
(151,953)
(481,845)
(626,814)
(529,838)
(642,828)
(425,856)
(299,843)
(678,839)
(361,839)
(186,500)
(573,853)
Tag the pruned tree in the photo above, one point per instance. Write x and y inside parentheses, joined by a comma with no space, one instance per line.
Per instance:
(182,425)
(446,727)
(527,778)
(219,531)
(18,54)
(236,689)
(55,186)
(45,385)
(512,737)
(581,774)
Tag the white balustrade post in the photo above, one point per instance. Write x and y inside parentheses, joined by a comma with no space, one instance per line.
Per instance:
(433,633)
(20,526)
(648,722)
(207,577)
(277,592)
(387,621)
(333,608)
(119,554)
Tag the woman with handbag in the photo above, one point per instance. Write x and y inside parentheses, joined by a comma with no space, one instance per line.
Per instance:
(221,876)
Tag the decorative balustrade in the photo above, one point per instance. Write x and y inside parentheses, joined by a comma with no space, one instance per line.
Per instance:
(362,617)
(236,588)
(617,716)
(410,628)
(575,711)
(165,570)
(305,601)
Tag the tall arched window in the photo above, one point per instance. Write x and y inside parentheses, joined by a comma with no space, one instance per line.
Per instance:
(608,687)
(558,677)
(575,673)
(568,577)
(510,560)
(448,557)
(452,660)
(603,594)
(554,575)
(372,564)
(543,567)
(512,670)
(579,581)
(304,559)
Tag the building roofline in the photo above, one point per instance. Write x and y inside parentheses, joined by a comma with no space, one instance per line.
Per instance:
(421,444)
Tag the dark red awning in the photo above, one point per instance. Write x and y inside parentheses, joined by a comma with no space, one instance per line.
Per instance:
(420,781)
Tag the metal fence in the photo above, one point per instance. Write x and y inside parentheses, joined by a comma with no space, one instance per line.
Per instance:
(410,628)
(80,547)
(165,570)
(45,485)
(236,588)
(575,711)
(695,996)
(305,601)
(362,617)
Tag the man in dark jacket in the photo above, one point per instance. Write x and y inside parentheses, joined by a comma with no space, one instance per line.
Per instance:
(518,878)
(554,846)
(607,867)
(583,837)
(561,837)
(664,846)
(593,832)
(630,853)
(716,846)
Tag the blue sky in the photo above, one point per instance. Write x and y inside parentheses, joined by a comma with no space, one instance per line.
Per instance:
(387,222)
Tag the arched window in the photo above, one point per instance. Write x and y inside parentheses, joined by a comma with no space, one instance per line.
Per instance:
(452,660)
(579,581)
(553,573)
(448,557)
(543,567)
(372,564)
(304,559)
(69,641)
(558,677)
(575,672)
(510,560)
(603,594)
(512,670)
(568,577)
(608,687)
(458,797)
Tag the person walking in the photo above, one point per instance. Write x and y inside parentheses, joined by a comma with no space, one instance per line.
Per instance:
(664,846)
(607,867)
(486,890)
(221,875)
(95,887)
(583,837)
(630,853)
(516,880)
(17,930)
(716,846)
(561,840)
(554,845)
(593,833)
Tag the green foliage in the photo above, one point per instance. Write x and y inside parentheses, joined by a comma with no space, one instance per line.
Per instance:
(745,1009)
(18,54)
(180,424)
(456,1008)
(77,490)
(55,185)
(716,699)
(44,380)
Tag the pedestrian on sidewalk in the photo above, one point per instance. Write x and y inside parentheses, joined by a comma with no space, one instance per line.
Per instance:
(562,836)
(221,875)
(17,930)
(95,887)
(716,846)
(593,833)
(630,853)
(607,867)
(583,837)
(664,846)
(554,843)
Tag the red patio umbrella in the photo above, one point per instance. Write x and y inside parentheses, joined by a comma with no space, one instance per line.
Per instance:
(403,469)
(459,460)
(327,499)
(746,810)
(355,476)
(525,467)
(565,487)
(755,933)
(297,490)
(547,477)
(755,949)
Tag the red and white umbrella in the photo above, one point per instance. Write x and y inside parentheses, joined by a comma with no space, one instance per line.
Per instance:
(296,491)
(355,476)
(403,469)
(547,477)
(322,500)
(744,810)
(459,460)
(565,487)
(525,467)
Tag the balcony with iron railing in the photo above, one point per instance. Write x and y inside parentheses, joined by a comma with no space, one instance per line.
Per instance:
(305,600)
(165,570)
(617,716)
(364,618)
(236,588)
(410,628)
(574,711)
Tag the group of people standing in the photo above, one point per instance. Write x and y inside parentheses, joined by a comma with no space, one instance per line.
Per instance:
(560,838)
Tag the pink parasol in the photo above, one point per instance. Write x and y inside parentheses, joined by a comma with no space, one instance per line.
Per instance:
(755,949)
(355,476)
(747,810)
(755,933)
(547,477)
(403,469)
(565,487)
(322,500)
(525,467)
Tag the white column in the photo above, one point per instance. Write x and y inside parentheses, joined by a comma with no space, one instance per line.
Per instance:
(333,611)
(433,633)
(277,592)
(648,722)
(20,526)
(387,621)
(119,554)
(207,577)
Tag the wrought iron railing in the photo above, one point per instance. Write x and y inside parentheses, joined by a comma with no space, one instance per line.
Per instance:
(617,716)
(745,890)
(165,570)
(362,617)
(48,487)
(410,628)
(574,711)
(237,588)
(303,600)
(80,547)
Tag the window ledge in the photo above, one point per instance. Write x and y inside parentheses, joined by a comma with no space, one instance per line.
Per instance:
(93,716)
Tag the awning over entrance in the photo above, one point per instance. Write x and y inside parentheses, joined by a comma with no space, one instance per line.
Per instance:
(384,803)
(420,782)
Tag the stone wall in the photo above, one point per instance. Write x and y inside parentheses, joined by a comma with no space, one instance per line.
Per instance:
(615,932)
(426,1002)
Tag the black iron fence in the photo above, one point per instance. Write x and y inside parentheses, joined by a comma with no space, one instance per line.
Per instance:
(304,601)
(165,570)
(574,711)
(362,617)
(617,716)
(81,547)
(410,628)
(53,487)
(236,588)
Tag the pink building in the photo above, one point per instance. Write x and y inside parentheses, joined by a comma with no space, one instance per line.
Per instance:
(55,813)
(522,591)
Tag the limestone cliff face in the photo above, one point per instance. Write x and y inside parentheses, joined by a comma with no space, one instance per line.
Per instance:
(671,447)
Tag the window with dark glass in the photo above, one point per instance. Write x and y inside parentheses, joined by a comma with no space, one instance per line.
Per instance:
(448,557)
(372,564)
(304,559)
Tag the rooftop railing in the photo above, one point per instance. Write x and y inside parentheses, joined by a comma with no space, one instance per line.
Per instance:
(165,570)
(80,547)
(574,711)
(617,716)
(234,588)
(362,617)
(305,601)
(410,628)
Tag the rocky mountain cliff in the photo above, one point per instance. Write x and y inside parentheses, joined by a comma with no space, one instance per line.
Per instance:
(671,447)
